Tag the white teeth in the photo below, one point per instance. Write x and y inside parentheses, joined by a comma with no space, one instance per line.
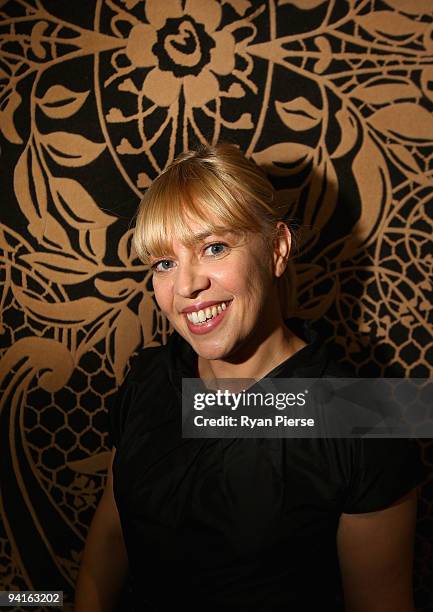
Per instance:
(200,316)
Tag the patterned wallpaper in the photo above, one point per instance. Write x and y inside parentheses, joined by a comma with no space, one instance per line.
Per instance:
(333,97)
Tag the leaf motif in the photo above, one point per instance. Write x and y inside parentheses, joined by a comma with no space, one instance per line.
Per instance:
(324,46)
(7,125)
(298,114)
(390,26)
(364,327)
(71,150)
(51,358)
(349,132)
(314,191)
(126,250)
(5,243)
(304,5)
(283,158)
(425,306)
(321,196)
(406,120)
(427,39)
(39,185)
(55,234)
(419,7)
(305,273)
(125,147)
(130,4)
(385,93)
(316,307)
(143,180)
(115,115)
(60,366)
(371,174)
(59,102)
(146,310)
(22,192)
(97,332)
(324,205)
(77,206)
(240,6)
(127,337)
(35,39)
(129,86)
(98,242)
(404,158)
(60,314)
(92,464)
(427,82)
(245,122)
(60,268)
(235,91)
(115,289)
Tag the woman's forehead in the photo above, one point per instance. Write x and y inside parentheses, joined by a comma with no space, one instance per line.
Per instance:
(200,233)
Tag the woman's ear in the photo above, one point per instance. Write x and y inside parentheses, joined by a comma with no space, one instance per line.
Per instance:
(282,244)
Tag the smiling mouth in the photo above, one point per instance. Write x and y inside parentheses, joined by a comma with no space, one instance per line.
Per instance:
(200,317)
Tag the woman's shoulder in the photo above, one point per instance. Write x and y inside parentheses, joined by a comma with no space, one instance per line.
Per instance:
(145,360)
(320,357)
(334,368)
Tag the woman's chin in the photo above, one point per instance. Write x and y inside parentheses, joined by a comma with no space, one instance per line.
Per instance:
(210,352)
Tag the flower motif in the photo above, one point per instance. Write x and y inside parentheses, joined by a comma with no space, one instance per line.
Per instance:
(8,106)
(183,50)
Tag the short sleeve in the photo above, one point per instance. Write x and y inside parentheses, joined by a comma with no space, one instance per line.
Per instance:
(118,407)
(385,469)
(120,403)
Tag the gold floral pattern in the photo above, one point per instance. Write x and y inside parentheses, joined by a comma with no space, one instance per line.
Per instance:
(187,71)
(334,99)
(184,51)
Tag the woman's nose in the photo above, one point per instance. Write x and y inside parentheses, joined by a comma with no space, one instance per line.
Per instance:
(190,280)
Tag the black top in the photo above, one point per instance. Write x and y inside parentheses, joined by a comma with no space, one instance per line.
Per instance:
(238,524)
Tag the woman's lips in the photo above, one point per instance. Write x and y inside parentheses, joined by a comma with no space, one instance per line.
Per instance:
(208,326)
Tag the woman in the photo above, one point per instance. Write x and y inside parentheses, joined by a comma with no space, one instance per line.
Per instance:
(237,524)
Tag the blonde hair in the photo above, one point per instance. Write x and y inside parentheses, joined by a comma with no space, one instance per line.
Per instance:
(215,179)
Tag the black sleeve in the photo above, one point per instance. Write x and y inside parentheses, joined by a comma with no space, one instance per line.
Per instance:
(385,469)
(118,407)
(120,402)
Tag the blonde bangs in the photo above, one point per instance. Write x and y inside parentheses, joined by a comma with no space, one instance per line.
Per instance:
(183,193)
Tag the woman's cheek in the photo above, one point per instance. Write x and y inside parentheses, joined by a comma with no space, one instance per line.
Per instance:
(226,275)
(161,292)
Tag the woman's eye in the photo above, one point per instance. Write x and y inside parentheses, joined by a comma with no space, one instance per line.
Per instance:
(217,248)
(213,250)
(159,266)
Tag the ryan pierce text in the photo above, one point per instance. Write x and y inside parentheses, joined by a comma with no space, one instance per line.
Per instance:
(251,423)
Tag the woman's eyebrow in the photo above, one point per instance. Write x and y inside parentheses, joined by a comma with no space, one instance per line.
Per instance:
(203,235)
(197,238)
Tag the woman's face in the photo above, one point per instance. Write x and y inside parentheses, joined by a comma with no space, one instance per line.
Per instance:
(218,294)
